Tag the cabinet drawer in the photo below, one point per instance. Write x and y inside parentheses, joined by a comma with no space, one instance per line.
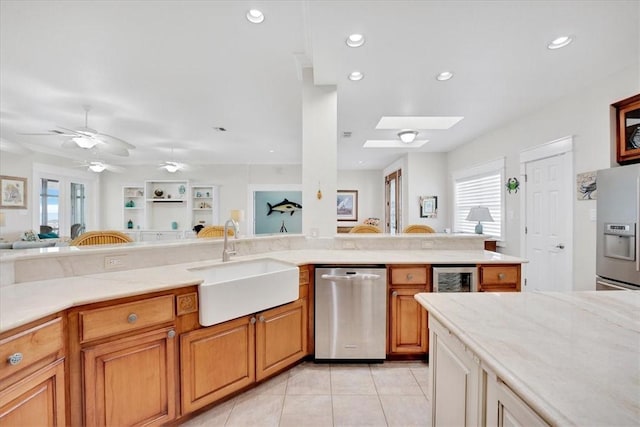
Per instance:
(408,275)
(103,322)
(30,346)
(498,274)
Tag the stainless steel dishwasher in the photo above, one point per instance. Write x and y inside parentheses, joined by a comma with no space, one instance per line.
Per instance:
(350,313)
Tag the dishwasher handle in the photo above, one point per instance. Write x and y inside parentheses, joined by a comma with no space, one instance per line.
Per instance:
(357,276)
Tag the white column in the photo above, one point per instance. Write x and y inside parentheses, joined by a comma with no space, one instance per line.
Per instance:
(319,156)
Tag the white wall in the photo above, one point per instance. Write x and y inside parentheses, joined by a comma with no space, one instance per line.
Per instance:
(586,116)
(370,186)
(426,175)
(17,221)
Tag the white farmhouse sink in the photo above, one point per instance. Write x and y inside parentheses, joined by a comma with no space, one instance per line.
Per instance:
(236,289)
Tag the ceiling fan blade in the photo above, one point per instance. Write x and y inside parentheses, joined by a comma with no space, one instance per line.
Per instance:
(116,169)
(70,144)
(72,132)
(52,132)
(108,139)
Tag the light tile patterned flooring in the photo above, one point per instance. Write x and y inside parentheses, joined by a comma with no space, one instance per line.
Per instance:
(388,394)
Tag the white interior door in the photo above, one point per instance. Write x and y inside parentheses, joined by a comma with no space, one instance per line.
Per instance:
(548,198)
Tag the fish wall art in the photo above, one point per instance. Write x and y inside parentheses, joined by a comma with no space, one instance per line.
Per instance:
(284,206)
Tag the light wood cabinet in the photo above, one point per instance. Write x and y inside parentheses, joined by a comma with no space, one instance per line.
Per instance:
(224,358)
(408,331)
(216,361)
(36,400)
(130,381)
(123,362)
(281,338)
(499,278)
(32,376)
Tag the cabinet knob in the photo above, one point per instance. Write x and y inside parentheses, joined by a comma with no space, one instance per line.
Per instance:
(171,333)
(394,293)
(14,359)
(409,276)
(262,319)
(252,320)
(132,318)
(500,276)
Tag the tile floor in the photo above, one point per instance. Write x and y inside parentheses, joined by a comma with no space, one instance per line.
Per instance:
(389,394)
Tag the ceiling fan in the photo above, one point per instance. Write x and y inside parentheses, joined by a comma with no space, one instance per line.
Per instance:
(90,139)
(98,166)
(173,166)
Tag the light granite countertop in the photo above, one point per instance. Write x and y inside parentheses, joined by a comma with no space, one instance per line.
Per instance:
(24,302)
(573,357)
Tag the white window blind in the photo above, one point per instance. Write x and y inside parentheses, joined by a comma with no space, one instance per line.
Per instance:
(479,190)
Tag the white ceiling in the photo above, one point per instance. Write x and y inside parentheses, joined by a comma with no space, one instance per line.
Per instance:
(162,74)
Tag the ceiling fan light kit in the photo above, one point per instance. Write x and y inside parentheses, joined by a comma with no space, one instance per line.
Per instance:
(97,167)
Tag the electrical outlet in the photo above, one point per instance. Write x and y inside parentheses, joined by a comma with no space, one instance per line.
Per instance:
(114,261)
(348,244)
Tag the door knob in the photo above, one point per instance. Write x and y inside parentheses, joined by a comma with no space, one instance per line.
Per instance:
(560,246)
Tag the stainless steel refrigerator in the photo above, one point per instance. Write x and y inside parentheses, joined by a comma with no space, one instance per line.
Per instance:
(618,238)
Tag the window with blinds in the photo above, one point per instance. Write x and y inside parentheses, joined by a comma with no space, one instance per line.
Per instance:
(479,190)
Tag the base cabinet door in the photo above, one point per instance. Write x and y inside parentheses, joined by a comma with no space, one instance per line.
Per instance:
(130,381)
(281,337)
(37,400)
(407,322)
(216,361)
(456,381)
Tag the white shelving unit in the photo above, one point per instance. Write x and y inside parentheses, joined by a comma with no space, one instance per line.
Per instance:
(167,205)
(155,206)
(133,205)
(204,206)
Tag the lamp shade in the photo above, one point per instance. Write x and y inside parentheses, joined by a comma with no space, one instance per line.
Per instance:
(479,213)
(237,215)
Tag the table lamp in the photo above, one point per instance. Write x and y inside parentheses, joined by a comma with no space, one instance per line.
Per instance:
(237,215)
(479,213)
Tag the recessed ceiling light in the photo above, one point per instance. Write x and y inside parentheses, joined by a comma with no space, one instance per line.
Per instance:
(272,151)
(355,40)
(444,76)
(255,16)
(559,42)
(355,76)
(417,122)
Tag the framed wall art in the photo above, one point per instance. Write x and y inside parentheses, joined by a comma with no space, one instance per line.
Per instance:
(628,130)
(347,205)
(428,206)
(14,192)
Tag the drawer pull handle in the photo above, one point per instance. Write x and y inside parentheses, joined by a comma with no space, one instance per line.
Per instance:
(132,318)
(394,293)
(409,276)
(171,333)
(252,320)
(15,359)
(262,319)
(500,276)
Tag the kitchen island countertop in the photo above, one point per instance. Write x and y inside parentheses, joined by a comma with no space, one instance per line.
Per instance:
(573,357)
(21,303)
